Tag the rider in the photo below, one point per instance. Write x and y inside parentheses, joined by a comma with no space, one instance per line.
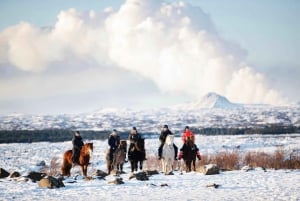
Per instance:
(162,138)
(133,138)
(113,142)
(77,144)
(188,133)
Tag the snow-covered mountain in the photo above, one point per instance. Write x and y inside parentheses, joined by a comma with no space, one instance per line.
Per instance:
(210,100)
(211,110)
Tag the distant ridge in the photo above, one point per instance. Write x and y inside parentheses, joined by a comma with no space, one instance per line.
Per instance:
(210,100)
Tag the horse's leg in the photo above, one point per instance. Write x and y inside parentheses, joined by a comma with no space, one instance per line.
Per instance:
(166,167)
(187,165)
(163,166)
(132,165)
(141,165)
(108,166)
(83,168)
(194,165)
(66,168)
(121,167)
(136,165)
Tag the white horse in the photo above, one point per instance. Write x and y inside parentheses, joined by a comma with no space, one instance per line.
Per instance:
(168,154)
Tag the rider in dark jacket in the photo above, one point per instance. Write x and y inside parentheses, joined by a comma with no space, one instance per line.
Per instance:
(162,138)
(133,137)
(113,142)
(77,144)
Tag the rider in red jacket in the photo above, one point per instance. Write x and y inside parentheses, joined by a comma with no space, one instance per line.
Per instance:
(188,133)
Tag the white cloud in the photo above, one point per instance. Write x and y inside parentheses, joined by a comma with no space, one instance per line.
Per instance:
(174,45)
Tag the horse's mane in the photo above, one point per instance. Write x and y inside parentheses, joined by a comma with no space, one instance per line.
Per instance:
(140,144)
(189,141)
(169,140)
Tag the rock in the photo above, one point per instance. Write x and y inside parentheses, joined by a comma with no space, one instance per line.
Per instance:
(41,163)
(142,176)
(14,174)
(100,173)
(261,169)
(213,185)
(209,169)
(36,176)
(117,181)
(88,178)
(151,172)
(22,179)
(247,168)
(3,173)
(50,182)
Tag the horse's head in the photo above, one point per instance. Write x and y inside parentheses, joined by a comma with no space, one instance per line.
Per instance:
(189,140)
(123,144)
(169,140)
(88,147)
(140,144)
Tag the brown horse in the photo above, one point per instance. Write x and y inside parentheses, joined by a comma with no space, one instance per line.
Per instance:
(189,154)
(119,157)
(137,155)
(84,159)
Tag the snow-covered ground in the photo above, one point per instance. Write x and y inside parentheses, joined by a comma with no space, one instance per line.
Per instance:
(210,111)
(234,185)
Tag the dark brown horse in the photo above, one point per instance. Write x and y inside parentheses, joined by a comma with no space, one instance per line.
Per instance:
(189,154)
(137,154)
(84,160)
(119,157)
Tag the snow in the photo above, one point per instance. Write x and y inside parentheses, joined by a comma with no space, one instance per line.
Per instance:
(152,120)
(234,185)
(210,100)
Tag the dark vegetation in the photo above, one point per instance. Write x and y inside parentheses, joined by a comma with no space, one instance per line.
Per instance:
(234,160)
(59,135)
(55,135)
(263,129)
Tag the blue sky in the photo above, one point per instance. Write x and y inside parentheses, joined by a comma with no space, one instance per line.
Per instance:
(261,36)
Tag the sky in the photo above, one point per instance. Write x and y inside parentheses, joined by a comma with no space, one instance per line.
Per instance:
(80,56)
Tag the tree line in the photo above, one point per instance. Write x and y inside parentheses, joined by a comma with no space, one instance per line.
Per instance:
(60,135)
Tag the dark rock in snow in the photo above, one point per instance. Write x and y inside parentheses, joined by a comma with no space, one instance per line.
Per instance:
(51,182)
(3,173)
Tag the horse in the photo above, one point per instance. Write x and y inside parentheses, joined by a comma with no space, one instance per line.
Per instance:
(119,157)
(84,159)
(168,152)
(189,154)
(136,155)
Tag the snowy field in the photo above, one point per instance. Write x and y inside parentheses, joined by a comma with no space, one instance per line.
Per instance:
(234,185)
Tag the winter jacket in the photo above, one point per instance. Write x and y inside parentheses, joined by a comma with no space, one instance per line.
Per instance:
(133,138)
(114,141)
(187,134)
(163,136)
(77,142)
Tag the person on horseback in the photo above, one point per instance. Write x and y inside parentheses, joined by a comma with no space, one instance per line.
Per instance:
(113,142)
(133,137)
(162,138)
(188,134)
(77,144)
